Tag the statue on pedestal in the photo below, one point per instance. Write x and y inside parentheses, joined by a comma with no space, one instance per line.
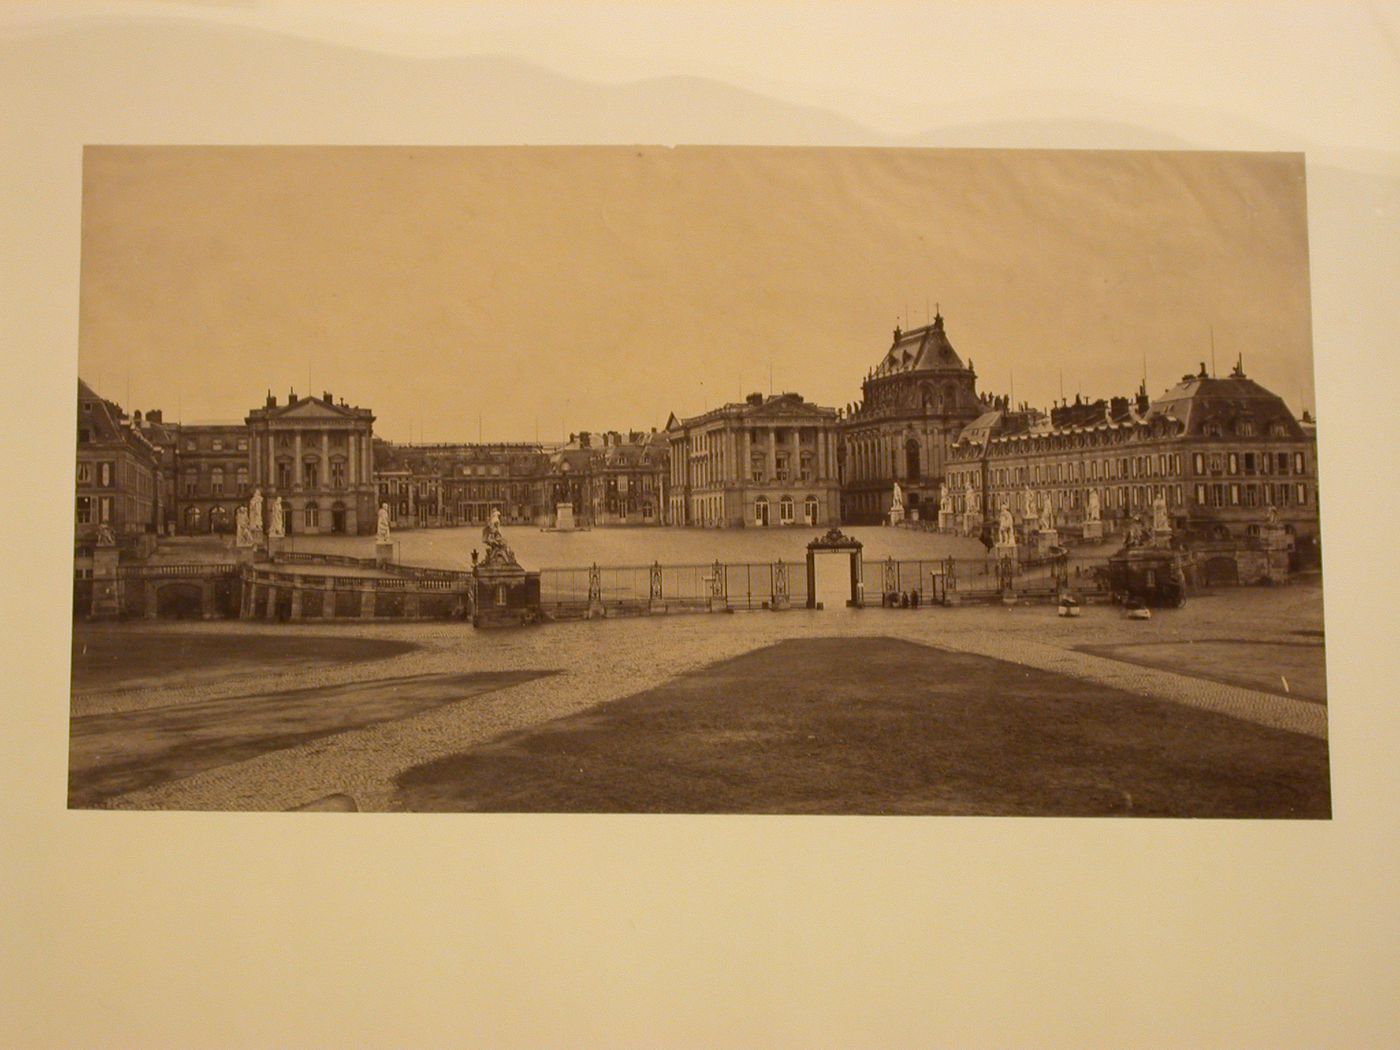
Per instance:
(255,515)
(1047,513)
(243,538)
(1271,516)
(1092,513)
(945,502)
(498,552)
(1160,521)
(276,523)
(1006,529)
(897,505)
(105,536)
(381,534)
(1028,512)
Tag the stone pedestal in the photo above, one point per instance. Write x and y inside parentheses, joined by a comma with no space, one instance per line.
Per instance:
(506,596)
(896,515)
(1093,530)
(564,517)
(106,585)
(1007,552)
(1046,539)
(971,523)
(383,554)
(274,546)
(947,521)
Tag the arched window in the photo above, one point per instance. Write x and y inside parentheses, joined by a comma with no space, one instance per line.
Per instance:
(760,511)
(785,510)
(810,509)
(216,481)
(911,459)
(312,516)
(192,518)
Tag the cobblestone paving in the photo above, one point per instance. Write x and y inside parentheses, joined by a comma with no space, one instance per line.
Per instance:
(606,660)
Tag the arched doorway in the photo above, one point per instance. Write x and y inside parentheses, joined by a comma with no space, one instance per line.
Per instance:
(911,459)
(760,511)
(218,519)
(178,601)
(338,516)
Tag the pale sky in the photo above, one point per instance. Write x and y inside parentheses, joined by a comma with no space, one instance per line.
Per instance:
(602,287)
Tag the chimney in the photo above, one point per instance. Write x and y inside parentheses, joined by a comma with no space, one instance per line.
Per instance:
(291,397)
(585,439)
(271,400)
(136,417)
(154,416)
(326,397)
(754,399)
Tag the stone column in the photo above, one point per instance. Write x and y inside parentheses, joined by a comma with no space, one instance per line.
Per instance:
(270,612)
(328,601)
(367,604)
(772,454)
(296,603)
(325,459)
(352,474)
(271,459)
(296,460)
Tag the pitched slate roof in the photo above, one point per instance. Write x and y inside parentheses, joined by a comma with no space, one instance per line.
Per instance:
(919,350)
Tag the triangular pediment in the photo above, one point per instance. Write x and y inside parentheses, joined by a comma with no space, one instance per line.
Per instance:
(311,409)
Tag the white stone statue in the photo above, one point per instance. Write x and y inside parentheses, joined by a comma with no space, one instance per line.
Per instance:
(1027,503)
(243,537)
(381,534)
(1093,511)
(255,514)
(1047,513)
(276,524)
(105,536)
(1006,528)
(945,502)
(898,502)
(1160,523)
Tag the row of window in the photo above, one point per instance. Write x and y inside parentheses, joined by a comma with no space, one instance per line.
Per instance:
(786,507)
(1160,465)
(1234,494)
(94,509)
(215,444)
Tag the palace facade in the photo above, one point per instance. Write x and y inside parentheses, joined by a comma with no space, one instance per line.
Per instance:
(608,478)
(119,473)
(1220,451)
(764,462)
(318,457)
(913,405)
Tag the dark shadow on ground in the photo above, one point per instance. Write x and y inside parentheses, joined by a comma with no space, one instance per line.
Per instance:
(112,754)
(880,726)
(126,656)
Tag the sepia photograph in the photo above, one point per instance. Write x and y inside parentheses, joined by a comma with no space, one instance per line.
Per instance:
(705,524)
(697,480)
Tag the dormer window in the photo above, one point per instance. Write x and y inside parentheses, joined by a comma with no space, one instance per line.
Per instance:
(1212,430)
(1244,428)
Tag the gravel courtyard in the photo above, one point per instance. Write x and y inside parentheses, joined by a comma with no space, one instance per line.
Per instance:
(582,664)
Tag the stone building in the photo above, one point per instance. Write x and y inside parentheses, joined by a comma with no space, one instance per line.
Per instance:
(211,475)
(1219,451)
(625,480)
(765,462)
(118,476)
(913,404)
(316,455)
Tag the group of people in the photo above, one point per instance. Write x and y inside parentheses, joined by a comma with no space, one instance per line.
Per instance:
(903,600)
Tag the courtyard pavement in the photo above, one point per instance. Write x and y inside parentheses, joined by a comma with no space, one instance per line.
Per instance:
(598,661)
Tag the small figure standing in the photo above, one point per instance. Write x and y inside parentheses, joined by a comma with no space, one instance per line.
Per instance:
(276,521)
(381,534)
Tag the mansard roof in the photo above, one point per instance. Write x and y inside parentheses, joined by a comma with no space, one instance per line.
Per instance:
(1200,399)
(919,350)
